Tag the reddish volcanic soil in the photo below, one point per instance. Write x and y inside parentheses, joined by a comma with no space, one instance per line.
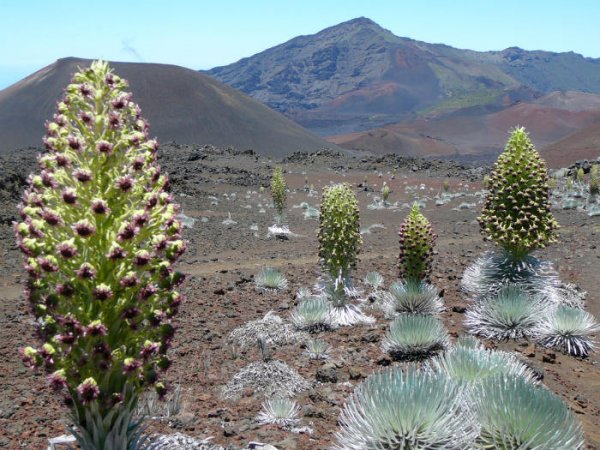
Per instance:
(221,296)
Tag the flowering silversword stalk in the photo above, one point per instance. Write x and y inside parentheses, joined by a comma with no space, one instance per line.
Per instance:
(516,214)
(100,237)
(416,247)
(278,192)
(339,230)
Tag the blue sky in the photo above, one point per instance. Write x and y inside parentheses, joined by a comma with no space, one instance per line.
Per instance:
(205,33)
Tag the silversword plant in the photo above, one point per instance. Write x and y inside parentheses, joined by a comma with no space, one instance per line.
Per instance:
(279,193)
(516,214)
(100,236)
(416,246)
(339,231)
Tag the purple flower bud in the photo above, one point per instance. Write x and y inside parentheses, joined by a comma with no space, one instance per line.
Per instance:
(47,264)
(63,160)
(127,231)
(102,292)
(51,217)
(74,142)
(86,271)
(116,252)
(104,147)
(85,117)
(109,79)
(130,313)
(119,103)
(102,349)
(88,390)
(156,317)
(114,120)
(148,349)
(140,219)
(147,291)
(48,179)
(82,175)
(69,196)
(142,258)
(138,163)
(57,380)
(49,143)
(96,328)
(66,249)
(85,89)
(100,206)
(129,280)
(66,338)
(131,365)
(152,201)
(124,183)
(66,290)
(84,228)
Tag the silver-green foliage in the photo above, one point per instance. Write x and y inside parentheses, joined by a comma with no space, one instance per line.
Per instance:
(512,314)
(270,279)
(492,271)
(280,411)
(568,329)
(393,409)
(411,297)
(415,337)
(317,349)
(469,365)
(514,414)
(312,314)
(374,279)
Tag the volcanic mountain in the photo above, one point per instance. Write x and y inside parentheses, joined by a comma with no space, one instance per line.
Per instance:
(180,104)
(357,75)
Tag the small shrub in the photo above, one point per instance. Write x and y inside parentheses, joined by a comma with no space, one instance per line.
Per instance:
(375,280)
(470,365)
(413,337)
(416,246)
(512,314)
(280,411)
(393,409)
(517,415)
(270,280)
(317,349)
(312,314)
(568,330)
(411,297)
(516,214)
(492,271)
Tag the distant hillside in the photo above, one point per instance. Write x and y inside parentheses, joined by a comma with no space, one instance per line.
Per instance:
(356,76)
(180,104)
(582,144)
(479,133)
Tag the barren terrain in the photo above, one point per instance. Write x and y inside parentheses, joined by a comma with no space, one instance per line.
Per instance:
(220,294)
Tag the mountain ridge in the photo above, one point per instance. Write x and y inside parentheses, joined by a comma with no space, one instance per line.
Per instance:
(357,75)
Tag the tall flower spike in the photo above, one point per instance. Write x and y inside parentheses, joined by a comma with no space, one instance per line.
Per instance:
(516,214)
(84,220)
(339,230)
(278,192)
(416,247)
